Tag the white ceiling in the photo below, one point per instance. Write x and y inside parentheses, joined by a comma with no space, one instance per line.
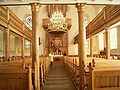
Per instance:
(63,1)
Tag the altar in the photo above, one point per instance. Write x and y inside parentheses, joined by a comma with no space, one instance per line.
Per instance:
(57,57)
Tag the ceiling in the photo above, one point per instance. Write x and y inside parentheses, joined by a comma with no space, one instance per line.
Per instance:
(63,1)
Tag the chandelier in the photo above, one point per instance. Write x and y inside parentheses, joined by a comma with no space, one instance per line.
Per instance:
(57,23)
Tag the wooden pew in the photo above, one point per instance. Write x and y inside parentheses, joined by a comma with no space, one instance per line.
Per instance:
(2,59)
(101,72)
(107,78)
(15,79)
(44,67)
(24,64)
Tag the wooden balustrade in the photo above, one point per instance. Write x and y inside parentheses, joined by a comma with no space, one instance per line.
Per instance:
(72,70)
(112,14)
(98,23)
(107,17)
(45,65)
(15,22)
(27,32)
(3,16)
(9,20)
(99,75)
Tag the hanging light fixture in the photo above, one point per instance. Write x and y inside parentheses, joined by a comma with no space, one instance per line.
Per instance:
(57,23)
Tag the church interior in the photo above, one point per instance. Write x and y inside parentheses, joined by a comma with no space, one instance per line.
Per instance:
(59,45)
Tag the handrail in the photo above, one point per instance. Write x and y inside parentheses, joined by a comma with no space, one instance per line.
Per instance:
(107,17)
(9,20)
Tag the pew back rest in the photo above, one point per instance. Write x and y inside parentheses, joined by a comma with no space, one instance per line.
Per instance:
(13,79)
(106,80)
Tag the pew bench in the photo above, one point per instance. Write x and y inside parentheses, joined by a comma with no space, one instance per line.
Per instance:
(15,79)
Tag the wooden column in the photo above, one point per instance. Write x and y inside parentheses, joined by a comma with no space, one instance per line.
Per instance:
(47,44)
(67,53)
(91,46)
(81,43)
(30,48)
(35,44)
(23,46)
(7,38)
(107,50)
(7,44)
(30,78)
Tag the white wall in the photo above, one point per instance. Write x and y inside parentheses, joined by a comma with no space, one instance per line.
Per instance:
(72,13)
(26,10)
(96,44)
(43,14)
(12,45)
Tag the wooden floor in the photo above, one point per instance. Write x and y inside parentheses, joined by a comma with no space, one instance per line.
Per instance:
(58,79)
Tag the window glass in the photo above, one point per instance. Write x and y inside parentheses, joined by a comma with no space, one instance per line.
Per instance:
(113,38)
(27,44)
(28,21)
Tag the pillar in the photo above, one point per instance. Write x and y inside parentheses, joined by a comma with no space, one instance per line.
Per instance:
(7,39)
(91,46)
(47,44)
(81,43)
(7,44)
(23,46)
(30,48)
(35,44)
(107,50)
(67,53)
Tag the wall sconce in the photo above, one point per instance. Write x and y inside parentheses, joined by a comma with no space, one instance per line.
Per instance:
(39,41)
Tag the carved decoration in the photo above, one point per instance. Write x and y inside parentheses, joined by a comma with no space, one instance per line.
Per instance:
(45,23)
(57,43)
(53,8)
(69,23)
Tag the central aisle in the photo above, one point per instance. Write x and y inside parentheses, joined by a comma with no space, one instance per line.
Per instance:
(57,78)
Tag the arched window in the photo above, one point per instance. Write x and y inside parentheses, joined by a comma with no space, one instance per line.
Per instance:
(28,21)
(27,44)
(113,38)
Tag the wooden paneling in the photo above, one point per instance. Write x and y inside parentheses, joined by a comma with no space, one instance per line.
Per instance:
(112,14)
(27,32)
(13,80)
(107,17)
(106,80)
(3,16)
(54,8)
(9,20)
